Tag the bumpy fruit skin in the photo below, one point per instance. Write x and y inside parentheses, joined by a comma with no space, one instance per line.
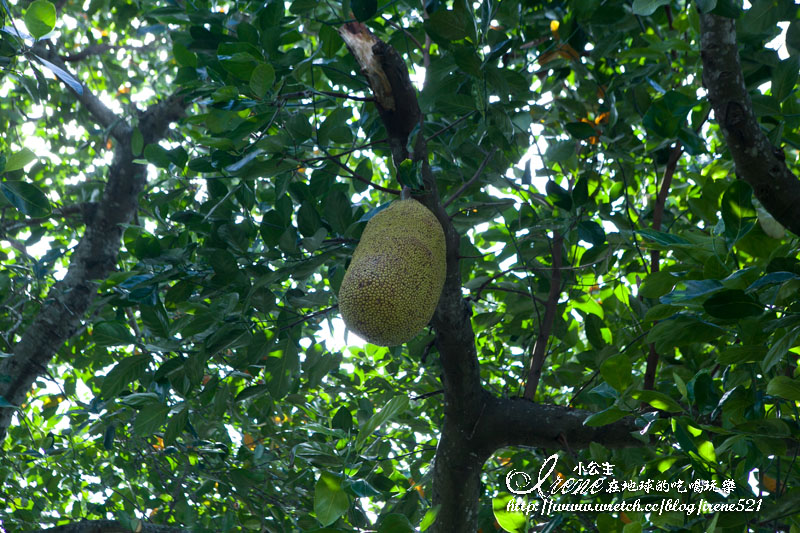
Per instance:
(393,283)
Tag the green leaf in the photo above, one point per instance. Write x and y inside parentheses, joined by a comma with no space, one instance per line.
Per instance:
(658,400)
(343,420)
(330,499)
(364,9)
(591,232)
(605,417)
(61,74)
(780,347)
(738,212)
(785,387)
(560,197)
(732,355)
(137,142)
(176,425)
(150,419)
(26,197)
(429,518)
(646,8)
(281,368)
(338,211)
(560,151)
(784,78)
(157,155)
(512,521)
(395,523)
(19,160)
(793,37)
(392,409)
(580,130)
(184,56)
(682,330)
(657,284)
(444,25)
(617,370)
(125,372)
(732,304)
(262,79)
(112,334)
(308,220)
(40,18)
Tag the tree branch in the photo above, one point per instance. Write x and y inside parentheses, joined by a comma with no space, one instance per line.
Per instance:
(106,118)
(655,255)
(110,526)
(473,179)
(757,161)
(94,258)
(520,422)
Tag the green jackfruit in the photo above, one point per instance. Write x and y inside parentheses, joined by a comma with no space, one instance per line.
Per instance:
(394,281)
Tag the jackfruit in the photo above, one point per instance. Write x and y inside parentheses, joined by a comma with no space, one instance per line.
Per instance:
(394,281)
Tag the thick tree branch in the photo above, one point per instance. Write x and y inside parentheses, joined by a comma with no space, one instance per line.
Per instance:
(387,75)
(517,421)
(109,526)
(757,161)
(94,258)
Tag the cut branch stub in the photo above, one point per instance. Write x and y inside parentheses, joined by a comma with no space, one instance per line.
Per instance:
(387,75)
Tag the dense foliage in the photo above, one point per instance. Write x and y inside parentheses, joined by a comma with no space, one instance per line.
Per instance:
(209,387)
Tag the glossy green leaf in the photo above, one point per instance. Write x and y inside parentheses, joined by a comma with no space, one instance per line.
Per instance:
(617,371)
(785,387)
(330,499)
(19,160)
(393,408)
(125,372)
(28,198)
(732,304)
(658,400)
(40,18)
(261,79)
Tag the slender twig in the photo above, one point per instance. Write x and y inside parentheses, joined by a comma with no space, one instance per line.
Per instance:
(363,179)
(539,349)
(308,93)
(408,33)
(456,123)
(655,255)
(472,180)
(346,152)
(308,317)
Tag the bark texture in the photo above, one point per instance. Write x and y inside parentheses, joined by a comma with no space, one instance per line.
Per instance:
(757,161)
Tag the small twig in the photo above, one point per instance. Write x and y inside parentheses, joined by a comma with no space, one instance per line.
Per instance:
(308,317)
(308,92)
(472,180)
(449,126)
(655,255)
(426,395)
(346,152)
(363,179)
(408,33)
(540,347)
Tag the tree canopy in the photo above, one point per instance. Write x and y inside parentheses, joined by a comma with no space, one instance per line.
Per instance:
(184,183)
